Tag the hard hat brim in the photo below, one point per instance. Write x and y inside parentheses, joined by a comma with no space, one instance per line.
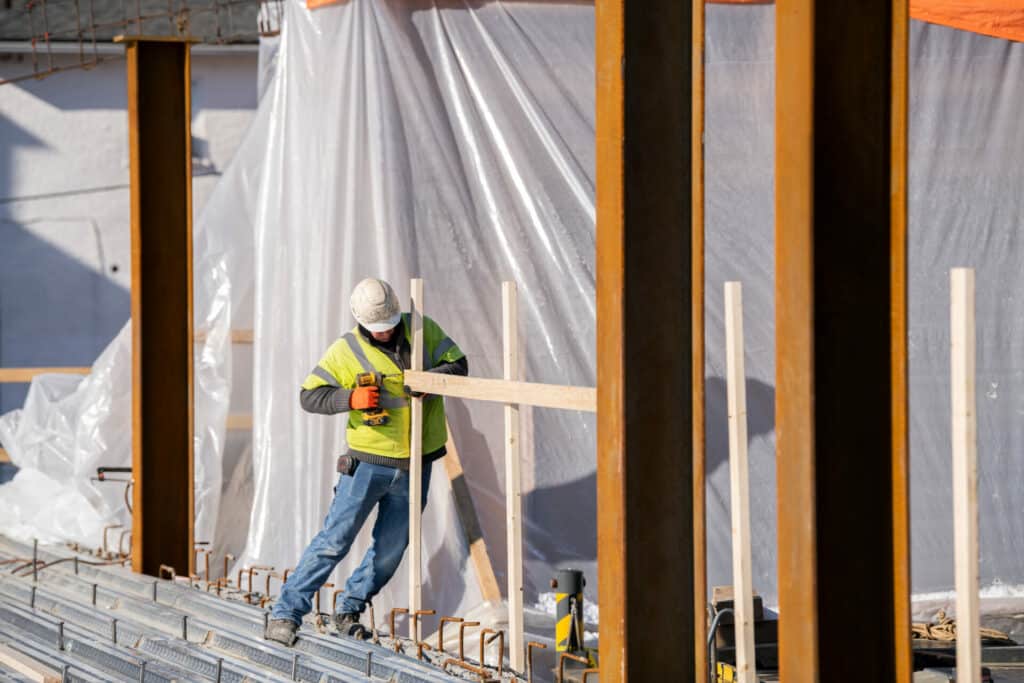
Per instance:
(384,325)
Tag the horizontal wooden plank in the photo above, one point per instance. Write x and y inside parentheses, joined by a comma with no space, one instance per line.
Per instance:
(23,375)
(3,456)
(239,422)
(504,391)
(27,667)
(240,336)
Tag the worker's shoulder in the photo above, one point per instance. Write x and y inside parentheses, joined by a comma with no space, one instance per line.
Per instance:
(339,346)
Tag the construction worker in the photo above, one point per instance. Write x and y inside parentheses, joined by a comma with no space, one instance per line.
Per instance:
(375,471)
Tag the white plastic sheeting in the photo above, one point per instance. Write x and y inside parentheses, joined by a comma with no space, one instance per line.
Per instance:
(965,209)
(68,427)
(454,144)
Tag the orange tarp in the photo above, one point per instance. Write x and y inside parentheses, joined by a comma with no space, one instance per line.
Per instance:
(999,18)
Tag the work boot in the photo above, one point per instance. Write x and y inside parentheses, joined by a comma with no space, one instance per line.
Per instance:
(348,624)
(282,631)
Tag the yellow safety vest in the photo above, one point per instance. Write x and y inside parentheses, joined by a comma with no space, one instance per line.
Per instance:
(353,354)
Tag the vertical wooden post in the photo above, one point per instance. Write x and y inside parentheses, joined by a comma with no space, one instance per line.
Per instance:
(513,481)
(160,162)
(645,389)
(840,188)
(739,489)
(415,460)
(965,474)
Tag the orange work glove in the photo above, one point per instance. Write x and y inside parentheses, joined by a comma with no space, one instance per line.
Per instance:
(364,398)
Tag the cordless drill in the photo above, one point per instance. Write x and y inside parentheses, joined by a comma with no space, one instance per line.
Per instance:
(373,417)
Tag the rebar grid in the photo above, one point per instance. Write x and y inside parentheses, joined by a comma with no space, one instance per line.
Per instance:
(51,26)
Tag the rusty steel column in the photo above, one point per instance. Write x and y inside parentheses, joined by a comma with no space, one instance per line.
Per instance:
(700,564)
(159,113)
(840,296)
(645,340)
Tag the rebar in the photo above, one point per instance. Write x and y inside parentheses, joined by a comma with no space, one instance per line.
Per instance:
(32,598)
(440,630)
(113,631)
(373,625)
(172,574)
(588,672)
(416,622)
(120,543)
(499,636)
(369,663)
(562,656)
(529,658)
(60,636)
(478,670)
(391,624)
(106,550)
(95,587)
(462,634)
(420,646)
(184,627)
(227,557)
(142,671)
(295,668)
(220,669)
(35,560)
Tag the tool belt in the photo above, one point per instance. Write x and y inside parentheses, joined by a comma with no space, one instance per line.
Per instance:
(347,464)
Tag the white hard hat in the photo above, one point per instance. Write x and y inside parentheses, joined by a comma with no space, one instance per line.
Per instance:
(375,305)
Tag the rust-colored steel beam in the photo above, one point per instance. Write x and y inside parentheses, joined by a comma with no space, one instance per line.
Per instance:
(840,296)
(159,113)
(645,365)
(700,566)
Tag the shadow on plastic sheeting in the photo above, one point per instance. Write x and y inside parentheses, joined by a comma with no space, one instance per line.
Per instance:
(760,417)
(54,309)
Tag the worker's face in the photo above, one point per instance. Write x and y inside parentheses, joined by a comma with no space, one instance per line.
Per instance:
(384,336)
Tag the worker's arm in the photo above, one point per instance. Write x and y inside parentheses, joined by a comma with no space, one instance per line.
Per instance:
(328,388)
(325,400)
(458,367)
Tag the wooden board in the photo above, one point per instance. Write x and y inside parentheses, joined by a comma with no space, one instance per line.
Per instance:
(3,456)
(416,461)
(739,487)
(27,667)
(25,375)
(240,336)
(965,475)
(470,521)
(513,481)
(504,391)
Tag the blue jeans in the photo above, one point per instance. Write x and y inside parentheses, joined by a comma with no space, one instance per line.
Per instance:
(354,498)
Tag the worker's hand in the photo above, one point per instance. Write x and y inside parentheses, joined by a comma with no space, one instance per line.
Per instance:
(415,394)
(364,398)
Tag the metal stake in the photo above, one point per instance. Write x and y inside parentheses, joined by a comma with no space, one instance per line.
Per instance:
(94,595)
(76,565)
(32,598)
(220,669)
(35,560)
(113,631)
(266,624)
(142,671)
(295,668)
(60,636)
(154,590)
(184,627)
(64,677)
(369,664)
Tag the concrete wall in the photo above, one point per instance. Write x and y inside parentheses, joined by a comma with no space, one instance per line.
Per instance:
(64,214)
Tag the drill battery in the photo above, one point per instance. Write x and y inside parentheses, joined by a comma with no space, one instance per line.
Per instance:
(373,417)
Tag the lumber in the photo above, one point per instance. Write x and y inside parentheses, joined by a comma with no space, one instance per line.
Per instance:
(239,336)
(27,667)
(470,521)
(739,488)
(3,456)
(239,422)
(513,482)
(965,474)
(25,375)
(415,462)
(504,391)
